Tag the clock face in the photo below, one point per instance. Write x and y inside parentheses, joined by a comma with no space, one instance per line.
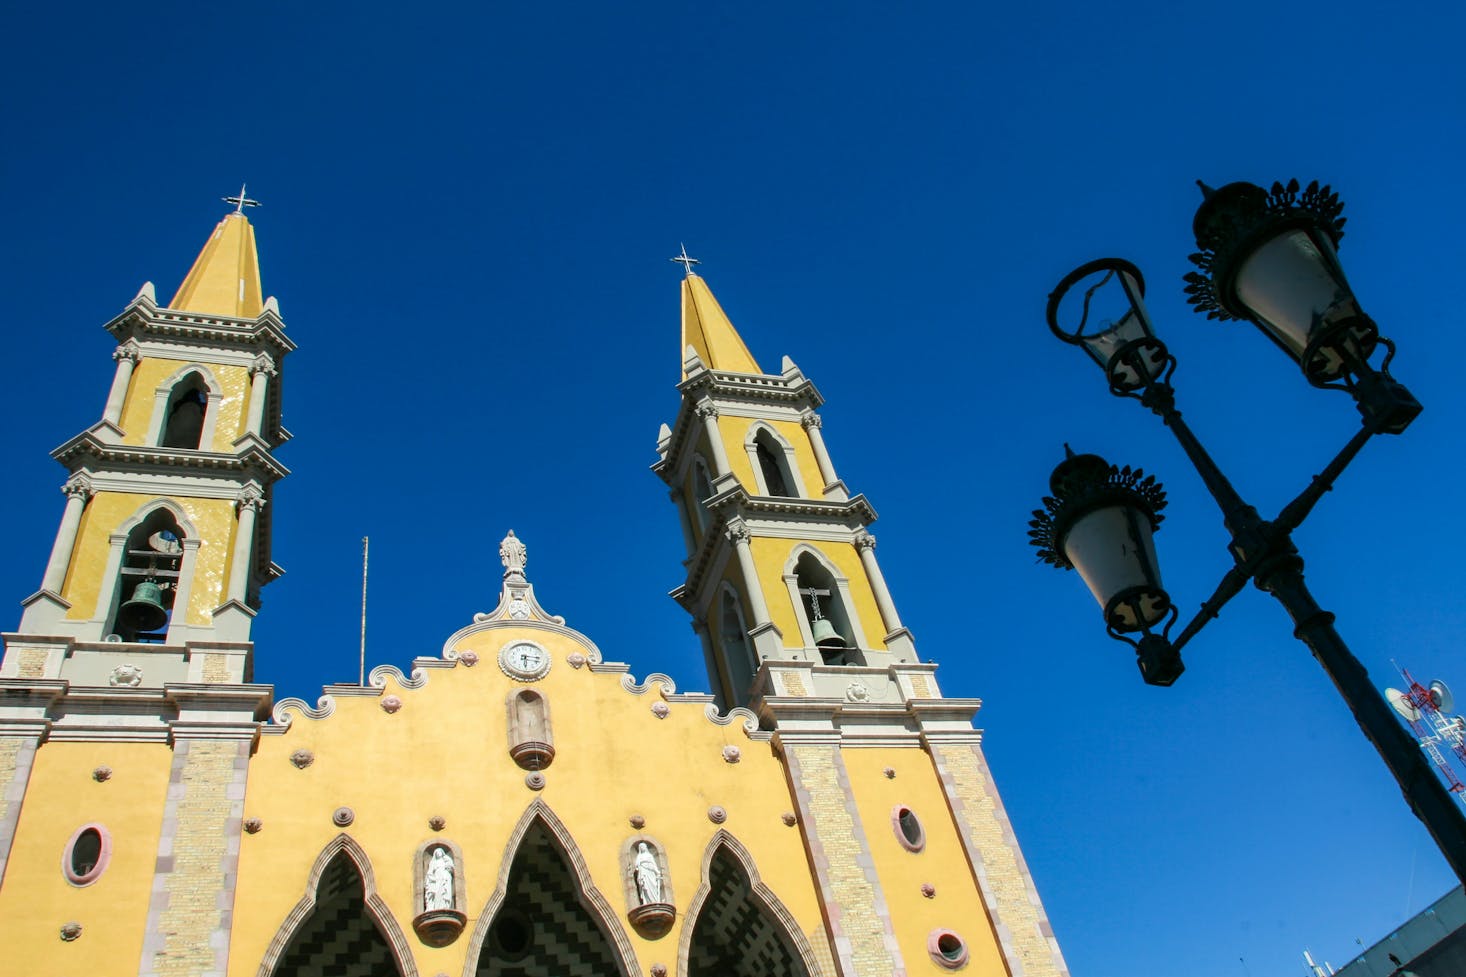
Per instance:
(524,660)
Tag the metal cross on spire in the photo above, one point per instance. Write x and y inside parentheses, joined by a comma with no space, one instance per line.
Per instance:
(685,261)
(240,202)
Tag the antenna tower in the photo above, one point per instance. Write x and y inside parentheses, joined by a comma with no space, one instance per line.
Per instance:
(1429,712)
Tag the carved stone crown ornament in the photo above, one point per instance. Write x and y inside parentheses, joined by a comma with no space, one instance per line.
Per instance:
(302,758)
(102,774)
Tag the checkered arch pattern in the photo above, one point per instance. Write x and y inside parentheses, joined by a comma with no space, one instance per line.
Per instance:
(734,936)
(338,939)
(543,897)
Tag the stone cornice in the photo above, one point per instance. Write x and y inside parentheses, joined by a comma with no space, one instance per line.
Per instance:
(142,319)
(792,390)
(88,451)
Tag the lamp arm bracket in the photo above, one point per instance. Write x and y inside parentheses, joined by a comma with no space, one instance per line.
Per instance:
(1232,583)
(1293,514)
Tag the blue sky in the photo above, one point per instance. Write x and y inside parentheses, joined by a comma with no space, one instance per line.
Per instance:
(467,217)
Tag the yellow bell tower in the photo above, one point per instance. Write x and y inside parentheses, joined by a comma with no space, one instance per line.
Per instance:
(781,565)
(798,625)
(164,542)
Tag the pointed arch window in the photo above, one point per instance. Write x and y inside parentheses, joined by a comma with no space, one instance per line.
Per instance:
(738,655)
(822,601)
(188,405)
(774,461)
(149,578)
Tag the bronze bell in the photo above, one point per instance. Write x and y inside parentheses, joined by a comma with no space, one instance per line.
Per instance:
(145,610)
(825,635)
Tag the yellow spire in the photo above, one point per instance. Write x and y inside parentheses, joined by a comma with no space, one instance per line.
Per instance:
(705,327)
(225,279)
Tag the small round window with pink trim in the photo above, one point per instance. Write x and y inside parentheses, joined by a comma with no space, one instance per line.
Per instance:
(908,828)
(947,949)
(86,854)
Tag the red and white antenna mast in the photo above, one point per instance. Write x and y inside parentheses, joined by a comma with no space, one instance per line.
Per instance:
(1429,711)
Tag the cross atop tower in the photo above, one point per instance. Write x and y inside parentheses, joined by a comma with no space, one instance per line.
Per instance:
(681,259)
(242,201)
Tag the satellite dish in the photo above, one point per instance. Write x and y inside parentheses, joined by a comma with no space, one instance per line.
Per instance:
(1402,704)
(1440,694)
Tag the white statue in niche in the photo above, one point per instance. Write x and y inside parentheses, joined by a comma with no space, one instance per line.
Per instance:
(648,875)
(438,883)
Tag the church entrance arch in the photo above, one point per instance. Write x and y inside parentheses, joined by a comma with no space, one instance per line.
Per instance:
(737,927)
(341,926)
(546,916)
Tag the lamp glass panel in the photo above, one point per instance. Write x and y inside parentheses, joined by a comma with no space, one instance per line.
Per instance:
(1132,325)
(1288,285)
(1108,557)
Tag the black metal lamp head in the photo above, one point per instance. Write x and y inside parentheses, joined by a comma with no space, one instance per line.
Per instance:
(1270,257)
(1112,326)
(1100,521)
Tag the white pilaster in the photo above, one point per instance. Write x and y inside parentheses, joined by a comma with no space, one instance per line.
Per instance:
(251,500)
(898,639)
(78,490)
(127,356)
(834,488)
(723,477)
(260,373)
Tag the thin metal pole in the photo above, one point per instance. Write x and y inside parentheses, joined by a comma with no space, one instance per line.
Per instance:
(361,677)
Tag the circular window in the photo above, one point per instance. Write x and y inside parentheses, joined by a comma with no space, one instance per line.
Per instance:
(512,935)
(908,828)
(947,948)
(86,854)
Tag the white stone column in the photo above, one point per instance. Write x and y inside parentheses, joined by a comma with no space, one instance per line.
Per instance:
(251,500)
(78,490)
(107,593)
(260,373)
(709,415)
(127,356)
(183,591)
(738,535)
(833,487)
(866,544)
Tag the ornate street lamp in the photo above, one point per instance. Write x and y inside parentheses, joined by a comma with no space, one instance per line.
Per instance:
(1268,257)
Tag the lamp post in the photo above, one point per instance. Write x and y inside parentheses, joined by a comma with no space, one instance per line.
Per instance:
(1268,257)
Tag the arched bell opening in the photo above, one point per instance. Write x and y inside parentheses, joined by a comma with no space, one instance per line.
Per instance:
(542,922)
(184,416)
(774,460)
(738,928)
(822,601)
(341,926)
(148,578)
(738,653)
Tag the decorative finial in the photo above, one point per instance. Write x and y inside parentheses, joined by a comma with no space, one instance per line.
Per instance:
(685,261)
(1206,191)
(240,202)
(513,555)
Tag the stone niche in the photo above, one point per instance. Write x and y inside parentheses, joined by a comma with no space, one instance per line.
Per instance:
(650,905)
(438,892)
(531,744)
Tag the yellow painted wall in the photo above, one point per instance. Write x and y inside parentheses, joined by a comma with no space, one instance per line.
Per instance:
(152,372)
(770,556)
(942,863)
(446,753)
(732,430)
(212,518)
(735,435)
(37,899)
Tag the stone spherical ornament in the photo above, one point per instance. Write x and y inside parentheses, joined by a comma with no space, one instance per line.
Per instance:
(70,932)
(717,815)
(102,774)
(253,825)
(391,704)
(342,817)
(1100,307)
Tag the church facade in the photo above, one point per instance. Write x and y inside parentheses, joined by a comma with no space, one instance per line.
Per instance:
(826,812)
